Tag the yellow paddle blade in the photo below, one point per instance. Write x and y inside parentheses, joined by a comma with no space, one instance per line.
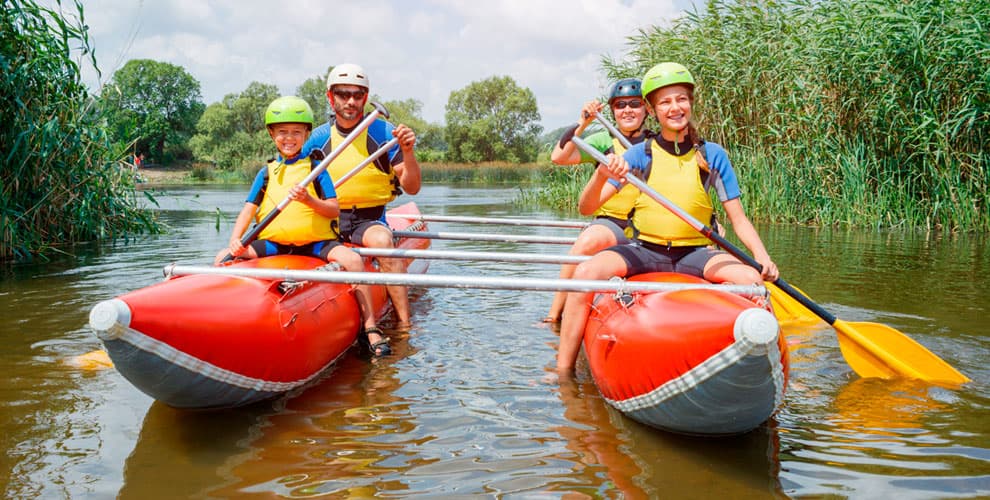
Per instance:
(786,308)
(93,360)
(876,350)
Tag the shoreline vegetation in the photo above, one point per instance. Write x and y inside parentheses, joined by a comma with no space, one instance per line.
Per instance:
(868,113)
(60,177)
(496,173)
(859,113)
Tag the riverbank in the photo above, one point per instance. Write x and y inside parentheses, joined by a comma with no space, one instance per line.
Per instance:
(161,175)
(492,173)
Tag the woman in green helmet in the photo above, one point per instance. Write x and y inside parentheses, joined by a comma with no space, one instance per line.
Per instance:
(611,223)
(672,165)
(307,225)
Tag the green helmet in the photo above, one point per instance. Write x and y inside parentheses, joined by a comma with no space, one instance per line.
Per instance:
(289,109)
(626,87)
(665,74)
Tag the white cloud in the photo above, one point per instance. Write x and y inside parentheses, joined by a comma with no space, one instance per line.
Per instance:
(421,50)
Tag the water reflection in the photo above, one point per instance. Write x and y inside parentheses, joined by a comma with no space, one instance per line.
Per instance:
(462,409)
(596,442)
(185,453)
(897,436)
(340,437)
(643,463)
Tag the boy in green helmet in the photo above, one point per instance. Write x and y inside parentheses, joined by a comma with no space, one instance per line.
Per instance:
(307,225)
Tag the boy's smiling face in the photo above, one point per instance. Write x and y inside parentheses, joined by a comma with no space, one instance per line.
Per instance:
(289,138)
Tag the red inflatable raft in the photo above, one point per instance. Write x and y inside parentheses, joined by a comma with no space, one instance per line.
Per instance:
(700,362)
(208,341)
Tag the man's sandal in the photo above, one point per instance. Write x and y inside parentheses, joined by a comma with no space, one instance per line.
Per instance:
(378,349)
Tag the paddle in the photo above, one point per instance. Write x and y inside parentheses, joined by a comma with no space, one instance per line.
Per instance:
(252,235)
(501,221)
(871,349)
(367,161)
(783,305)
(788,309)
(614,131)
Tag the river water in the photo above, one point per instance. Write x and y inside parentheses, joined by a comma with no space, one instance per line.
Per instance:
(466,406)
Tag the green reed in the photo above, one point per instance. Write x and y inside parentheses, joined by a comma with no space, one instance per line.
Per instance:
(61,180)
(559,189)
(861,112)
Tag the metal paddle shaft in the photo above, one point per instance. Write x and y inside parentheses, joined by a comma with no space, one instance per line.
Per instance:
(902,356)
(367,161)
(502,221)
(614,131)
(457,281)
(501,238)
(403,253)
(252,235)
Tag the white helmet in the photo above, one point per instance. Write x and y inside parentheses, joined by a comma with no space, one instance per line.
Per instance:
(348,74)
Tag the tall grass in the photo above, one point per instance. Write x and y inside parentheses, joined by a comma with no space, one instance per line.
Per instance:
(559,189)
(862,112)
(60,181)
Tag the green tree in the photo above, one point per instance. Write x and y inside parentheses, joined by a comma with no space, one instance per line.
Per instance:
(156,104)
(231,133)
(248,107)
(493,120)
(60,180)
(314,91)
(430,143)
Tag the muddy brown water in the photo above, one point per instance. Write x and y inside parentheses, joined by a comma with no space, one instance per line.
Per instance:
(466,407)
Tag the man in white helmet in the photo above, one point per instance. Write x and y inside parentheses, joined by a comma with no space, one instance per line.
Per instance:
(363,197)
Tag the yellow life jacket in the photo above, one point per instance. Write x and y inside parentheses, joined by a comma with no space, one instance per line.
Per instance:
(619,205)
(373,186)
(678,178)
(297,224)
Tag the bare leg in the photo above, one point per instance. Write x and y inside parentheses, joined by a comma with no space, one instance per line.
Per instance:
(725,268)
(381,237)
(591,241)
(603,266)
(352,262)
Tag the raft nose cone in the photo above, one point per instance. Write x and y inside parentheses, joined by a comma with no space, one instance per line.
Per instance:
(757,327)
(108,314)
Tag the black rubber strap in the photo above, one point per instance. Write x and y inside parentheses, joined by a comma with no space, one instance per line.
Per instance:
(568,135)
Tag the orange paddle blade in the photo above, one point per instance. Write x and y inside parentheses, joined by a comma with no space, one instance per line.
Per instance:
(876,350)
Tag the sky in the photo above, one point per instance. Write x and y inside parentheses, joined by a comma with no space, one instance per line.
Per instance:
(422,50)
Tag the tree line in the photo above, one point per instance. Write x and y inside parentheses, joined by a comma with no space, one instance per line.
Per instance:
(871,113)
(156,107)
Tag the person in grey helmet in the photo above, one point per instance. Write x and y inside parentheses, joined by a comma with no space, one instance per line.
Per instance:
(611,223)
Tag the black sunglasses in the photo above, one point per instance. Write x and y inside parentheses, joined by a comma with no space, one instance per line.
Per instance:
(344,95)
(632,103)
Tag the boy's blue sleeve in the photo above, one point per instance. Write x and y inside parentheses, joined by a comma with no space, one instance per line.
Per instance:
(326,185)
